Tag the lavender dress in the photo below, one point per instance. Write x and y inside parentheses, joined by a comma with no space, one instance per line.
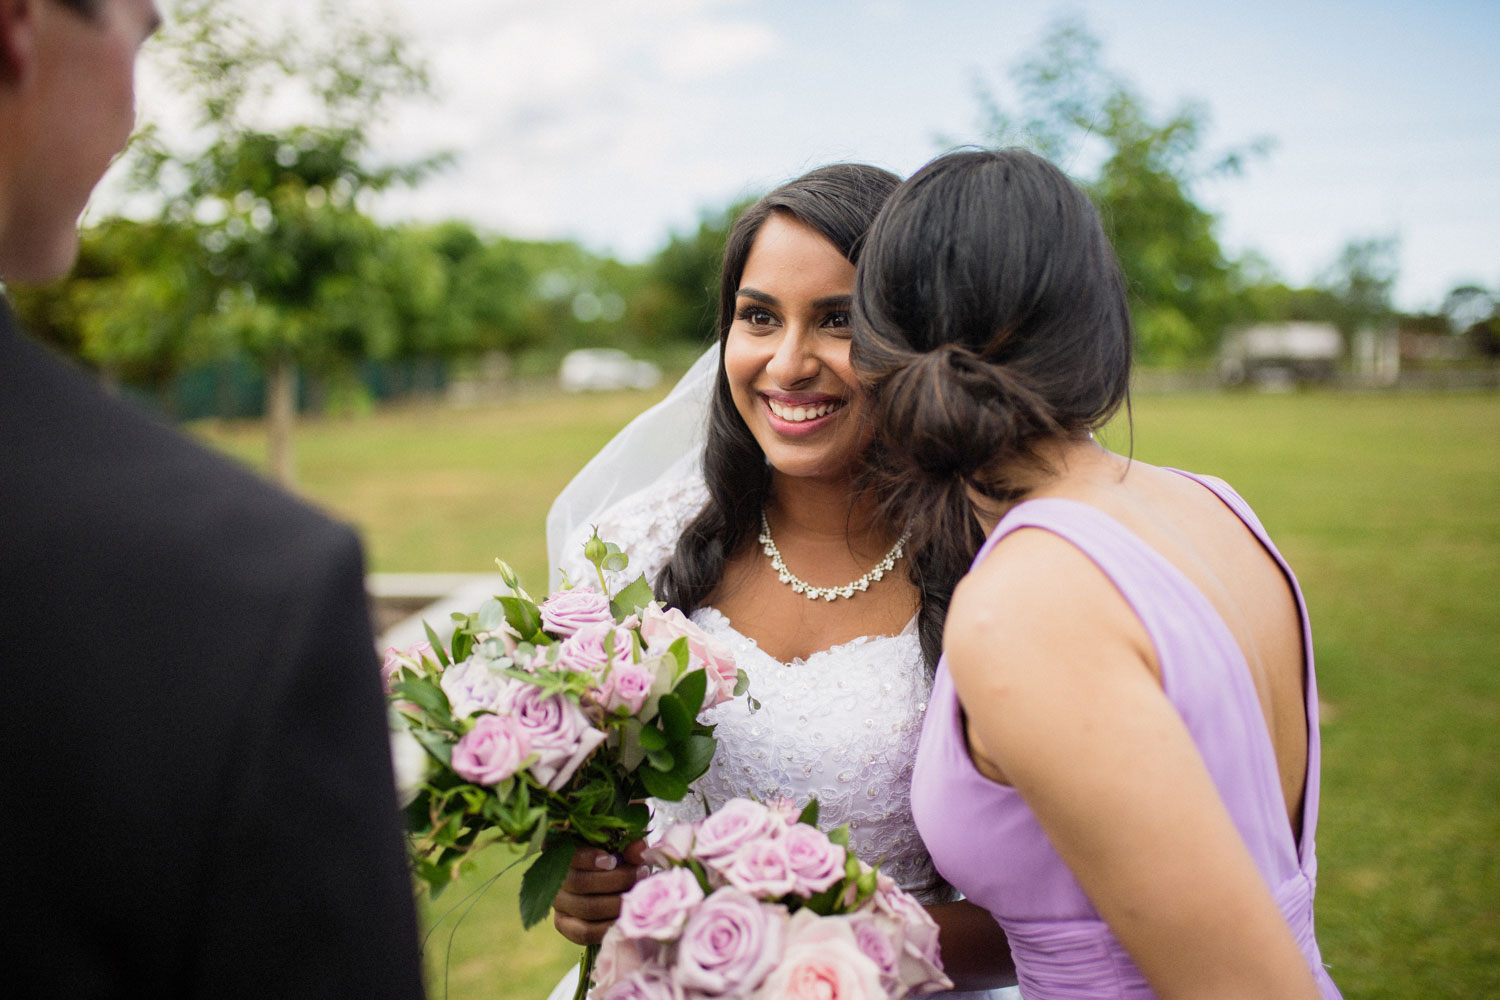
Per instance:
(985,839)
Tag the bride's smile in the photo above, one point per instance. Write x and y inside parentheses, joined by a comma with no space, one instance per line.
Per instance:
(803,415)
(787,352)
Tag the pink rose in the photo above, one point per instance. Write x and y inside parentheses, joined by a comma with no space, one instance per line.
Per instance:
(908,925)
(822,961)
(874,939)
(492,751)
(583,651)
(727,829)
(567,611)
(659,629)
(618,957)
(760,868)
(672,847)
(559,732)
(410,659)
(728,945)
(628,684)
(472,686)
(649,983)
(816,862)
(658,906)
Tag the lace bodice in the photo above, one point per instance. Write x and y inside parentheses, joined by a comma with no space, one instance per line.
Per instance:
(840,726)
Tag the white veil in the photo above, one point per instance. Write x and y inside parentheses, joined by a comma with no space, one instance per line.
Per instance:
(666,439)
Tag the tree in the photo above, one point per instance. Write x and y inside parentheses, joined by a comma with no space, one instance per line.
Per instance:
(682,281)
(275,204)
(1360,283)
(1141,173)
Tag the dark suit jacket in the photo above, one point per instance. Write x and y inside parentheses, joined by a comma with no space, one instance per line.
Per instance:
(194,769)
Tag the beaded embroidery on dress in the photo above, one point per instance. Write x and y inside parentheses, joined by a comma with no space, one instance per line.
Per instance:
(840,726)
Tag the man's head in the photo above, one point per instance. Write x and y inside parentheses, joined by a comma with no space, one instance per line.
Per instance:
(67,105)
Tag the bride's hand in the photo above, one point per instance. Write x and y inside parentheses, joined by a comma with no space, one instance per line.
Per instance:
(589,901)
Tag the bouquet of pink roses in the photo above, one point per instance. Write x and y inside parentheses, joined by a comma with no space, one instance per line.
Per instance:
(755,902)
(550,724)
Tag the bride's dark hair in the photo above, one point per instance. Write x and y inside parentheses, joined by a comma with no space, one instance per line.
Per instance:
(840,202)
(989,315)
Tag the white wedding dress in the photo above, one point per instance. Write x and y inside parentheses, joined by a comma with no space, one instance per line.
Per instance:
(840,726)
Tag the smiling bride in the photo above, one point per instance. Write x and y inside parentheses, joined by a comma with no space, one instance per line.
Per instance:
(763,538)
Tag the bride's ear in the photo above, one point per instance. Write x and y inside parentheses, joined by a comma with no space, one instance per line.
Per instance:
(17,41)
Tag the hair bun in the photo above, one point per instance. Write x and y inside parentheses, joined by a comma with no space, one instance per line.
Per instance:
(948,413)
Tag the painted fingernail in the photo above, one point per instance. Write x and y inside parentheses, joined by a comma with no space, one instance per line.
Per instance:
(606,862)
(644,871)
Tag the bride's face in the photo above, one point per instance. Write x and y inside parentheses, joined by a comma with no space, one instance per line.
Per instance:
(787,353)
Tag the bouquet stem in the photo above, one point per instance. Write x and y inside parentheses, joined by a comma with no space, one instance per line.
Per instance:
(585,970)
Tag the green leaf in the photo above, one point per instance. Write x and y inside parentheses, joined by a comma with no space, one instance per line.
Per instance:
(691,690)
(662,760)
(540,884)
(694,756)
(524,618)
(741,682)
(840,835)
(634,596)
(652,738)
(436,744)
(427,696)
(676,718)
(437,646)
(667,787)
(463,644)
(631,751)
(491,616)
(809,813)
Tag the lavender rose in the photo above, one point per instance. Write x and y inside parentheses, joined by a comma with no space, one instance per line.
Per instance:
(873,935)
(658,906)
(760,868)
(567,611)
(628,685)
(472,686)
(909,926)
(397,660)
(729,944)
(619,957)
(492,751)
(649,983)
(559,733)
(736,823)
(673,847)
(816,862)
(583,651)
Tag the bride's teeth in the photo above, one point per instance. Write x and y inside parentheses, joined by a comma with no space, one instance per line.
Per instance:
(798,414)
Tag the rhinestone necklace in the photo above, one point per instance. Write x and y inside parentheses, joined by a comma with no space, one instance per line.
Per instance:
(812,593)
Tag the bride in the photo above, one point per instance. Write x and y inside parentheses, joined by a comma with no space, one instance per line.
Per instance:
(760,535)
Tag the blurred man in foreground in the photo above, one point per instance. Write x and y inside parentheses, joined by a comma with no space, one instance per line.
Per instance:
(197,782)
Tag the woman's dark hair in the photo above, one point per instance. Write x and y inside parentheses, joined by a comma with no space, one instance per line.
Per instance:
(989,315)
(838,201)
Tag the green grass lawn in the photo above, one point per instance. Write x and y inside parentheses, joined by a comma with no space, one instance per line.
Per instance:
(1387,506)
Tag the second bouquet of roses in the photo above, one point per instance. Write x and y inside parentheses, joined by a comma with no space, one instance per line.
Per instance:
(548,724)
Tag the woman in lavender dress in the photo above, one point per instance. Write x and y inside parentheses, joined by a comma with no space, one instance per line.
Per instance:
(1120,759)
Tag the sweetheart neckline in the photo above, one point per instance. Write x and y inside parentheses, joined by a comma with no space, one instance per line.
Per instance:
(723,621)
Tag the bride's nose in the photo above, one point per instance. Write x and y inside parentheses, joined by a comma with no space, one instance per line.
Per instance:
(794,361)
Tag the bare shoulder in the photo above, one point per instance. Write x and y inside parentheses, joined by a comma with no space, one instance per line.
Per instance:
(1039,609)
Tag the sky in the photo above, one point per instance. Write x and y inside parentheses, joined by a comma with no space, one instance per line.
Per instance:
(617,122)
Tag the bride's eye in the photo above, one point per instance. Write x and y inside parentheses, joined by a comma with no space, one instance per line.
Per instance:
(837,318)
(755,316)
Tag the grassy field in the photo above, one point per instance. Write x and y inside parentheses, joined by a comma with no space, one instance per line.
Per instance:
(1388,507)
